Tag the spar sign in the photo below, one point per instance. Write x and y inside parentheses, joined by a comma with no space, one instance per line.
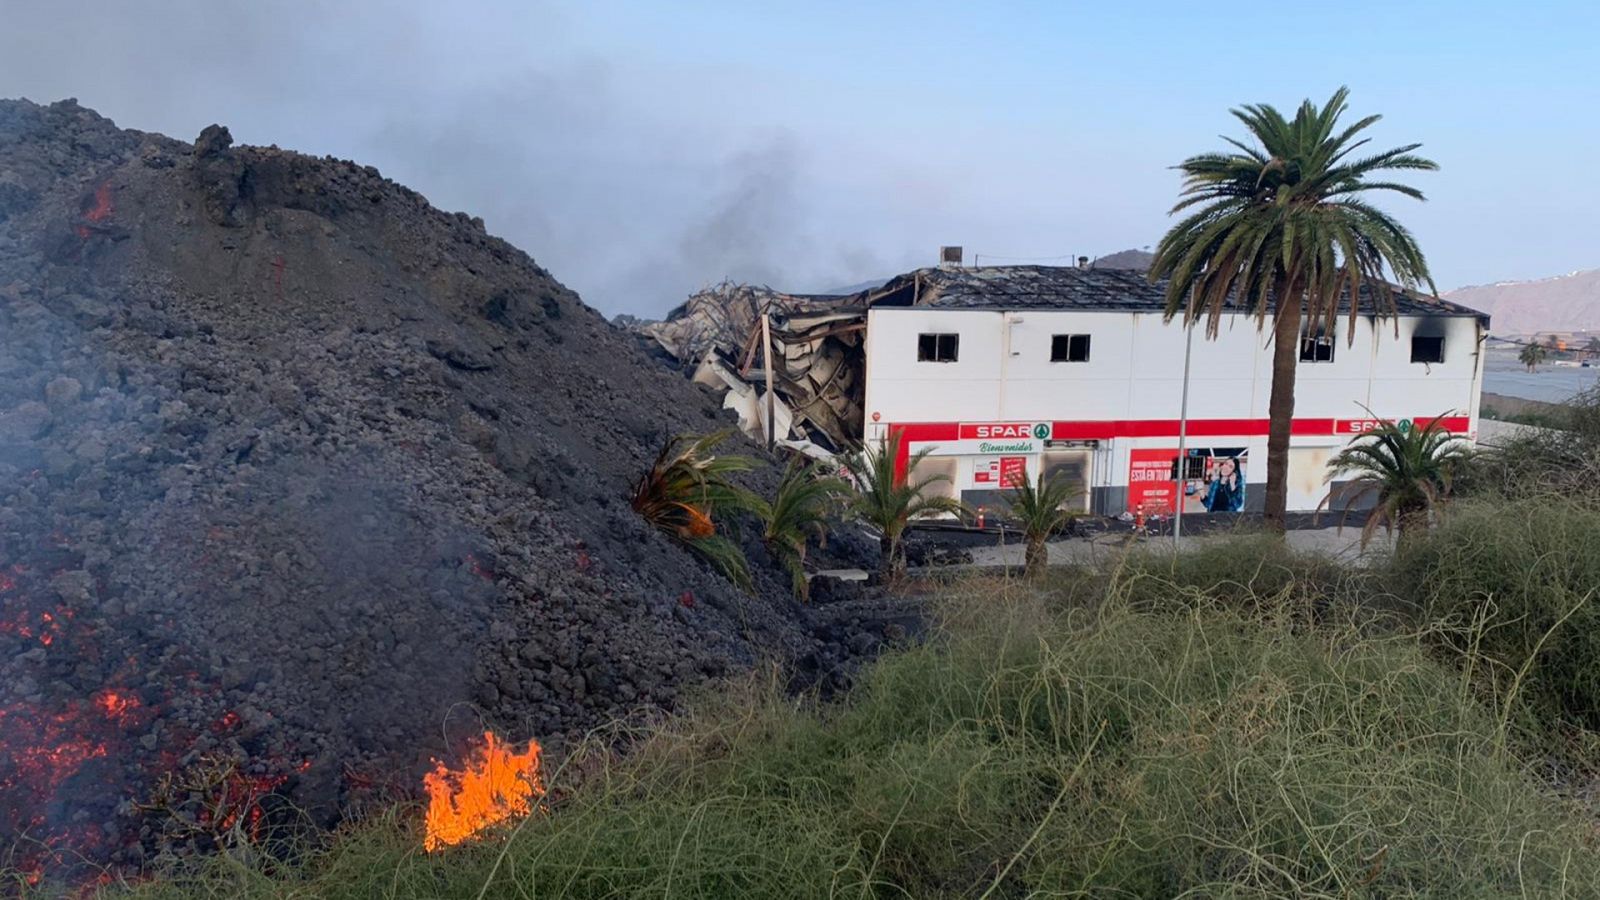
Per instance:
(994,439)
(1362,426)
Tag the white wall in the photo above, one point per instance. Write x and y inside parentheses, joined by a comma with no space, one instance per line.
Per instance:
(1135,372)
(1135,369)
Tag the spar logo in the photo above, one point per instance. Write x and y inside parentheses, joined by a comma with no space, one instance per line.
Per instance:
(1362,426)
(1006,431)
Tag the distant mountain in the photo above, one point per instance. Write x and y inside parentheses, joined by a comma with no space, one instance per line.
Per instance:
(1126,259)
(1568,302)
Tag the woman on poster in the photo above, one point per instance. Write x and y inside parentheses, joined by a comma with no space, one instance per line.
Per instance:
(1226,491)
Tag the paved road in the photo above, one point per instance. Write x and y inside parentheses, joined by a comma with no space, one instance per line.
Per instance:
(1492,433)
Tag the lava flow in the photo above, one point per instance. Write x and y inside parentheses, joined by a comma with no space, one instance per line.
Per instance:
(495,784)
(96,210)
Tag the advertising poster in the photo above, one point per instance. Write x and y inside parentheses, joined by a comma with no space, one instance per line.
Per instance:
(986,473)
(1214,480)
(1013,470)
(1150,481)
(1000,472)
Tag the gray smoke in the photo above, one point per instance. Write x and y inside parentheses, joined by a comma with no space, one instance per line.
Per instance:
(631,195)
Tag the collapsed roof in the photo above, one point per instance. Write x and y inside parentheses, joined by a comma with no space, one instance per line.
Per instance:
(816,357)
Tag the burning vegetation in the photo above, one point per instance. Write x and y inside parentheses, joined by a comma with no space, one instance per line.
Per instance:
(495,784)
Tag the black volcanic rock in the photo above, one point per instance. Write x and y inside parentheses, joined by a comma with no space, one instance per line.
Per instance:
(299,472)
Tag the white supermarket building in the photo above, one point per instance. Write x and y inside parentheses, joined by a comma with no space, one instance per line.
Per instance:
(999,371)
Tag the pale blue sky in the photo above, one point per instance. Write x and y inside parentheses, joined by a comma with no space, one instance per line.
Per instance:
(639,150)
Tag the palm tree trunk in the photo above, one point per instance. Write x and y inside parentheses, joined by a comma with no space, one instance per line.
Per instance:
(1034,558)
(1280,405)
(888,558)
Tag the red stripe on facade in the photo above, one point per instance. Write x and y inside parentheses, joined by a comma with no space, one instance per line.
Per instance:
(930,432)
(919,432)
(1106,430)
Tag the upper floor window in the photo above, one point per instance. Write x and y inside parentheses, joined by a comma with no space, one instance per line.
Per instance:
(1069,348)
(1426,349)
(1316,348)
(938,347)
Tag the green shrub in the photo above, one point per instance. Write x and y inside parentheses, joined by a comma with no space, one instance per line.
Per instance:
(1028,751)
(1563,459)
(1255,572)
(1514,588)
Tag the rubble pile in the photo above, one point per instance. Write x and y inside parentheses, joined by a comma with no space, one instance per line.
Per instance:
(724,336)
(302,477)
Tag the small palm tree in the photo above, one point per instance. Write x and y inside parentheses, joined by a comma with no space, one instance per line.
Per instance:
(684,488)
(1408,470)
(888,503)
(806,499)
(1038,506)
(1281,227)
(1532,355)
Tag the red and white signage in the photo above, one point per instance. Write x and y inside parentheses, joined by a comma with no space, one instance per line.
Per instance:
(1013,471)
(1150,485)
(980,438)
(990,431)
(986,472)
(1000,473)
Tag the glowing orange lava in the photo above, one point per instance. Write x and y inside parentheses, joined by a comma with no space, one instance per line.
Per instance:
(116,704)
(99,210)
(496,784)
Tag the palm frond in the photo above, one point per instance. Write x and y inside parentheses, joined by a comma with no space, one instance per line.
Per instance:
(1408,470)
(806,500)
(683,491)
(885,500)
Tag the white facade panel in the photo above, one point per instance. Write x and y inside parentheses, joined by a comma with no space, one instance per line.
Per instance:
(1126,396)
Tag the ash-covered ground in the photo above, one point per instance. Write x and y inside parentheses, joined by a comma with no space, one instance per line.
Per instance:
(301,475)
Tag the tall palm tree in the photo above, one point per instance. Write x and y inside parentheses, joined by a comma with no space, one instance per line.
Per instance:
(1407,470)
(1039,507)
(804,502)
(1532,355)
(888,503)
(1283,229)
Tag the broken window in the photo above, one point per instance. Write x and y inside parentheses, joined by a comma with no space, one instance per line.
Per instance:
(1427,349)
(938,347)
(1069,348)
(1316,348)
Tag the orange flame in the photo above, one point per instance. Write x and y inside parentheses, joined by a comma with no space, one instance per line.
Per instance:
(697,523)
(496,784)
(97,211)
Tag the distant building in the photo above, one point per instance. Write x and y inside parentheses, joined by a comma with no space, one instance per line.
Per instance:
(998,371)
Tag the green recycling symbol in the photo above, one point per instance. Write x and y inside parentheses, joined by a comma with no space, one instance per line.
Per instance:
(1042,431)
